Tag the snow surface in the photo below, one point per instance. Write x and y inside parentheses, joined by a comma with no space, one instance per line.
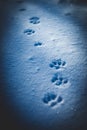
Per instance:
(39,34)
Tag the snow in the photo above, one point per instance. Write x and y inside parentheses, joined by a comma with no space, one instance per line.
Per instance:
(29,49)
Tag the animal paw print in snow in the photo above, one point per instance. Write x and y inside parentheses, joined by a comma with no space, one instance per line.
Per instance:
(29,31)
(59,80)
(52,99)
(34,20)
(38,44)
(49,97)
(57,63)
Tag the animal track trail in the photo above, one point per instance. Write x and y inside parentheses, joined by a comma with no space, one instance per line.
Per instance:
(29,31)
(34,20)
(57,63)
(58,80)
(51,99)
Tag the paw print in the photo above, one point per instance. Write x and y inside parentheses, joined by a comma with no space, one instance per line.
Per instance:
(57,63)
(34,20)
(38,44)
(52,99)
(29,31)
(59,80)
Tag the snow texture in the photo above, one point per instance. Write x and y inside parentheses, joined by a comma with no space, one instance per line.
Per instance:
(44,61)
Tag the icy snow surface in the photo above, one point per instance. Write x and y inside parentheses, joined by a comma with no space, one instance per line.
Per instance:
(43,62)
